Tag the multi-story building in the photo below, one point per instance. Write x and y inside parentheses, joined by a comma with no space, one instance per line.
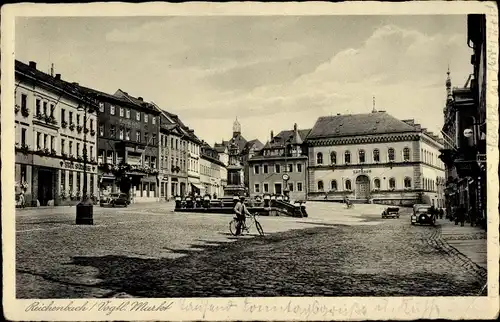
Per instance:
(242,149)
(373,157)
(128,145)
(281,165)
(190,147)
(173,157)
(127,163)
(55,121)
(465,130)
(211,171)
(223,154)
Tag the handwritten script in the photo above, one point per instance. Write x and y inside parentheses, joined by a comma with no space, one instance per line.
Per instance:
(299,308)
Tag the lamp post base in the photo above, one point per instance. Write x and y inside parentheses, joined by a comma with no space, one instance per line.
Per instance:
(85,212)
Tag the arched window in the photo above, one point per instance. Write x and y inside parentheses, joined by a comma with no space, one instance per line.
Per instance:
(348,185)
(333,157)
(333,185)
(392,183)
(319,158)
(347,157)
(320,185)
(376,183)
(390,155)
(361,156)
(406,154)
(407,182)
(376,155)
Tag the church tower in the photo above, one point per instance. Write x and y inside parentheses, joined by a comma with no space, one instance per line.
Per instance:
(236,128)
(449,94)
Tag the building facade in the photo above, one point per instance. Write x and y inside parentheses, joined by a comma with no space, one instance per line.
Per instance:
(465,131)
(374,157)
(54,122)
(280,167)
(173,158)
(211,171)
(128,146)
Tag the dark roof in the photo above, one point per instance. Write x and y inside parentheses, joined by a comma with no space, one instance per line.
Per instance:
(220,147)
(358,124)
(289,135)
(255,143)
(71,89)
(125,96)
(106,96)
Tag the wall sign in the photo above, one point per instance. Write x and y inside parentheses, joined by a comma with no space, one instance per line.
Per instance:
(70,165)
(361,171)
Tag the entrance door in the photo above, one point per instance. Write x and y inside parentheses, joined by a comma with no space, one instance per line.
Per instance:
(277,188)
(362,187)
(45,185)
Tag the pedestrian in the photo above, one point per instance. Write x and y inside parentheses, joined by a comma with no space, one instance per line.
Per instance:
(21,199)
(240,211)
(441,213)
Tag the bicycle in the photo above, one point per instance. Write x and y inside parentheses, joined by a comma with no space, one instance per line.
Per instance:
(251,220)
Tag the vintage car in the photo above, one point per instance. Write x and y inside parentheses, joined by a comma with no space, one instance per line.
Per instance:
(418,206)
(423,216)
(115,199)
(390,212)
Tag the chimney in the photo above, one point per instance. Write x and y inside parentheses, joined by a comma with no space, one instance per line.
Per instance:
(32,64)
(58,76)
(272,134)
(140,99)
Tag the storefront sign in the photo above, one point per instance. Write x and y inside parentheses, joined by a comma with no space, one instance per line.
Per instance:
(77,166)
(361,171)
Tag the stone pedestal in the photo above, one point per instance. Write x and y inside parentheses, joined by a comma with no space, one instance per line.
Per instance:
(235,185)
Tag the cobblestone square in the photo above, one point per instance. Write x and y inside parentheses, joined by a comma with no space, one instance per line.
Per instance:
(149,251)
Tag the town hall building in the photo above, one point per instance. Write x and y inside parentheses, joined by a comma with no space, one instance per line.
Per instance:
(374,157)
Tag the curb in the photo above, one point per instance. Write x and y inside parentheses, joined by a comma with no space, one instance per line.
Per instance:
(436,241)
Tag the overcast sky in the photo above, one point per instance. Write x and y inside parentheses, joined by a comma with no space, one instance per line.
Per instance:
(270,72)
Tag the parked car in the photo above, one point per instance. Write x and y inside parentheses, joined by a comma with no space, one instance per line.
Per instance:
(390,212)
(423,216)
(420,205)
(115,199)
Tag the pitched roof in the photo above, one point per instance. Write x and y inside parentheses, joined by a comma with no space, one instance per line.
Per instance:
(136,101)
(289,135)
(72,89)
(358,124)
(220,147)
(255,143)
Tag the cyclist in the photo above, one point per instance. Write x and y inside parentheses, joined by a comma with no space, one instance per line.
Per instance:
(347,202)
(241,211)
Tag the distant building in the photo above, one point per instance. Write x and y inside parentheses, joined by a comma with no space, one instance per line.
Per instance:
(374,157)
(173,158)
(49,135)
(284,154)
(239,148)
(212,171)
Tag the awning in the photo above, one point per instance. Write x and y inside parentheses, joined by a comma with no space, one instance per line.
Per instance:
(198,187)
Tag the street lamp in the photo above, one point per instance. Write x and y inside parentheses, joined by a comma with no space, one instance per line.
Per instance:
(85,208)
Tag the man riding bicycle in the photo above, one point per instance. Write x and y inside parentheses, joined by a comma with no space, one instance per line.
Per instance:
(241,211)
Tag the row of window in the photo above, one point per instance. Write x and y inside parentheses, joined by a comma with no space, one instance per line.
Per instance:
(430,184)
(111,157)
(175,143)
(79,118)
(376,184)
(209,171)
(125,112)
(362,156)
(277,168)
(278,187)
(74,176)
(430,158)
(193,165)
(125,134)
